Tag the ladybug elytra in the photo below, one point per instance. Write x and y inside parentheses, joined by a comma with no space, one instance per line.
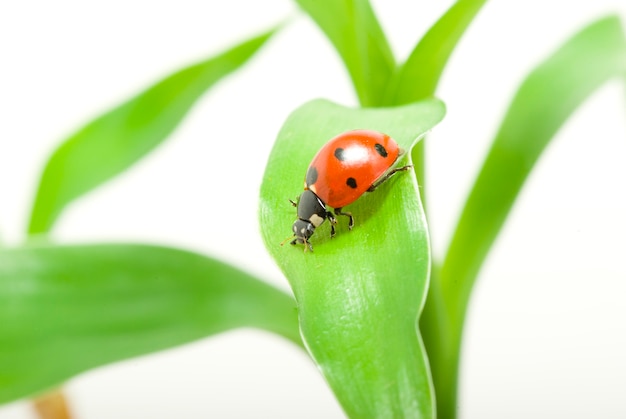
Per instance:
(345,168)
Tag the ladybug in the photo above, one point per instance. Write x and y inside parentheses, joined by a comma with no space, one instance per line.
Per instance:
(345,168)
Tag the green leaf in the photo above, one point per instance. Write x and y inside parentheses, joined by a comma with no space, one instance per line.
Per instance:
(354,30)
(418,77)
(114,141)
(544,101)
(66,309)
(359,295)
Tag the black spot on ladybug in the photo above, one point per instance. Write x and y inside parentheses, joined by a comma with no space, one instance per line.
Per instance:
(351,182)
(339,154)
(311,176)
(380,150)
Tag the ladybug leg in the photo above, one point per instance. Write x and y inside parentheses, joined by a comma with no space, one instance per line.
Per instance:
(307,245)
(347,214)
(333,223)
(387,176)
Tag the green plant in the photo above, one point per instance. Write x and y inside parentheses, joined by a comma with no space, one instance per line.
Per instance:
(167,297)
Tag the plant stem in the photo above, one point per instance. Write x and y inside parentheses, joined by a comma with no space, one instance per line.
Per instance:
(417,155)
(442,338)
(52,405)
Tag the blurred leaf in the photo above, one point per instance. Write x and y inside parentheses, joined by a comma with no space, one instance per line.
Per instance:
(64,310)
(544,101)
(116,140)
(417,78)
(353,29)
(359,295)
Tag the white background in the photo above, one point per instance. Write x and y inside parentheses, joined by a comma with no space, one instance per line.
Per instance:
(546,333)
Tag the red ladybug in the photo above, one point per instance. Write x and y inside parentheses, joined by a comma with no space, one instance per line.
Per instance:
(346,167)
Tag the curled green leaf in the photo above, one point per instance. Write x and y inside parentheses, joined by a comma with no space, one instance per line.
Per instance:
(359,295)
(66,309)
(114,141)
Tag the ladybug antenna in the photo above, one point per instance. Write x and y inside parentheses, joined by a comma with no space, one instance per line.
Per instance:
(287,239)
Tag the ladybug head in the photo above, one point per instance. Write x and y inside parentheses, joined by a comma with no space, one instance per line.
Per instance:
(302,231)
(311,214)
